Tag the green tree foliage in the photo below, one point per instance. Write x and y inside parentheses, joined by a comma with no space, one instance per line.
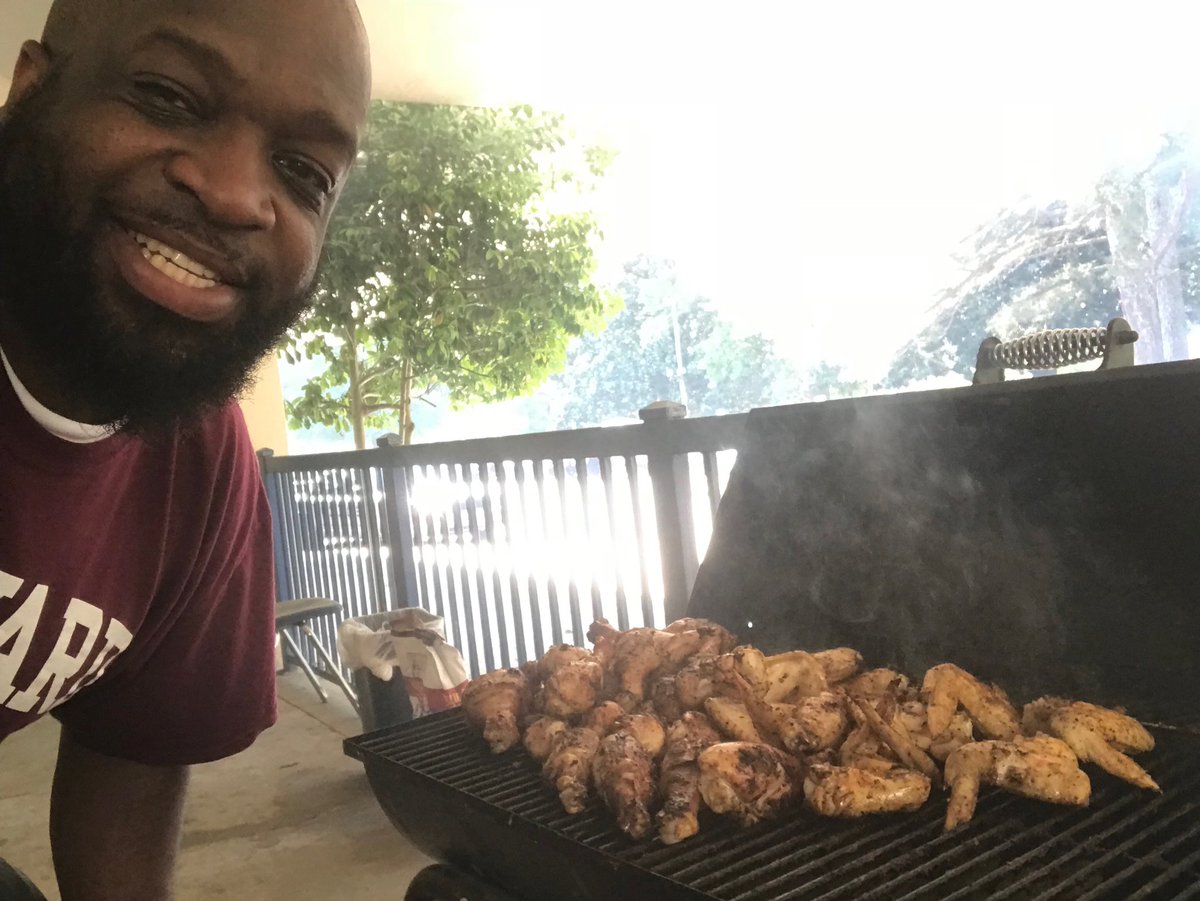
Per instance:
(665,344)
(1131,249)
(459,258)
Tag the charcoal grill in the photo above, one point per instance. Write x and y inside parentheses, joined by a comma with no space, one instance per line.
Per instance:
(1045,534)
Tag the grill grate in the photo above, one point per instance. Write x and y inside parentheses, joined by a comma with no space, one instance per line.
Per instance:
(1128,844)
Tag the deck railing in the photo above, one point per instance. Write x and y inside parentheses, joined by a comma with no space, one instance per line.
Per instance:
(517,542)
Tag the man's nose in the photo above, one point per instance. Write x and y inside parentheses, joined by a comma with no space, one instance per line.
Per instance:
(230,173)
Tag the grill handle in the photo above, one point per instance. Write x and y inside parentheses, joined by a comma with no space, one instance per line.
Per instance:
(1054,349)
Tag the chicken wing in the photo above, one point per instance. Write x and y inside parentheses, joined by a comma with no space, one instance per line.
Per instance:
(732,718)
(569,767)
(714,638)
(749,781)
(1096,734)
(637,653)
(839,664)
(560,655)
(572,688)
(664,698)
(1043,768)
(539,736)
(837,791)
(794,675)
(875,683)
(624,777)
(893,733)
(813,724)
(602,716)
(495,704)
(912,715)
(947,686)
(646,729)
(695,682)
(679,784)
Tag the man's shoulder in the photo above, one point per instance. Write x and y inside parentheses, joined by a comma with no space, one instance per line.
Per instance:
(218,445)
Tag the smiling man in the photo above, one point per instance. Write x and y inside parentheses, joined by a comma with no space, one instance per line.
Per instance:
(168,169)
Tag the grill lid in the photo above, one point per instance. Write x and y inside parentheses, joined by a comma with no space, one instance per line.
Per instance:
(1043,534)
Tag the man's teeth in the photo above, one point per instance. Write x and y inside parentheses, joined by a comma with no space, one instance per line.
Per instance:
(176,264)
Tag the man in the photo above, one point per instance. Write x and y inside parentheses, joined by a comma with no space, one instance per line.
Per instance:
(168,169)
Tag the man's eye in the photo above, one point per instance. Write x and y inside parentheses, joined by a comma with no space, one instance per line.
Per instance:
(309,179)
(166,97)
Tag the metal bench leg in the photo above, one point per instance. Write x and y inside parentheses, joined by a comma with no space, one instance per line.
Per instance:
(312,677)
(334,669)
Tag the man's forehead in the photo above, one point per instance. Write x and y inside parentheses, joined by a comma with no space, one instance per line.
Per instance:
(315,48)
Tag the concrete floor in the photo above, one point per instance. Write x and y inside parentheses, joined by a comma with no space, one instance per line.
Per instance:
(291,819)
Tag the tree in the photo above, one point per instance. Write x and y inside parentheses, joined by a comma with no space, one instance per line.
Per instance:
(460,257)
(665,344)
(1131,249)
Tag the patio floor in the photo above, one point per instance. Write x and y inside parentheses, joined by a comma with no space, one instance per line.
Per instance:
(291,818)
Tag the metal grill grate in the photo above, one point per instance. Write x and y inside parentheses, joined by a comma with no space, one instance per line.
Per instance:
(1128,844)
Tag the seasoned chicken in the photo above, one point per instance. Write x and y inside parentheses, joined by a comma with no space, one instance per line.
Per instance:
(695,682)
(749,781)
(876,683)
(912,715)
(947,686)
(687,737)
(839,664)
(794,675)
(495,704)
(837,791)
(624,775)
(646,729)
(1096,734)
(639,652)
(813,724)
(569,767)
(892,732)
(1043,768)
(679,817)
(664,698)
(572,688)
(732,719)
(539,736)
(745,661)
(602,716)
(560,655)
(714,638)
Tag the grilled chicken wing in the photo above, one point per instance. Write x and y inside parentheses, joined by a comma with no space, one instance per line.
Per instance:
(714,638)
(560,655)
(947,686)
(732,718)
(624,775)
(839,664)
(794,675)
(1096,734)
(602,716)
(1043,768)
(646,729)
(639,652)
(539,736)
(679,784)
(749,781)
(813,724)
(837,791)
(495,704)
(891,731)
(876,683)
(569,767)
(695,682)
(665,699)
(912,715)
(572,688)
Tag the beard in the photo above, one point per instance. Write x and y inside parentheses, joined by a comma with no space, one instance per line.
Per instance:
(147,369)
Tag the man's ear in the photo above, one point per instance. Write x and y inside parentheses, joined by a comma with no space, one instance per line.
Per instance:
(33,65)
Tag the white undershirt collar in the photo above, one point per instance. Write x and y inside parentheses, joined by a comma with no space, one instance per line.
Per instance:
(56,425)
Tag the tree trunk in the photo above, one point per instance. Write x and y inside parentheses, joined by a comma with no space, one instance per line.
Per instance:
(354,393)
(406,403)
(1164,217)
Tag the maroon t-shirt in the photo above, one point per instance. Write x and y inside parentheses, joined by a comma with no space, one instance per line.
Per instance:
(136,588)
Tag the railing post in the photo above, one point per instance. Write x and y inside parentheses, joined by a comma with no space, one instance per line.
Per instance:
(398,510)
(672,484)
(283,578)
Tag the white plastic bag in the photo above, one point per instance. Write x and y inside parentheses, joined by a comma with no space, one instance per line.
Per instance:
(412,641)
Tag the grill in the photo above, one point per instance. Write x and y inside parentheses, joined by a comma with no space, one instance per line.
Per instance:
(1126,845)
(1044,534)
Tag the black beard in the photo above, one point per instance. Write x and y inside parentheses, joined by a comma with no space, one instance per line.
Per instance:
(151,373)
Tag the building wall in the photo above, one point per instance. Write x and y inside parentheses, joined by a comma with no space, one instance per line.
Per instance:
(264,410)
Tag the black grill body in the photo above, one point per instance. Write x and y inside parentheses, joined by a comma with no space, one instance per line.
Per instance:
(1043,534)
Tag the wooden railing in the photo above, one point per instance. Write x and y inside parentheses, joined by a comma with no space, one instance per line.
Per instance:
(517,542)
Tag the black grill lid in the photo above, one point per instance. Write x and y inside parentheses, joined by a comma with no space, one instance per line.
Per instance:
(1045,534)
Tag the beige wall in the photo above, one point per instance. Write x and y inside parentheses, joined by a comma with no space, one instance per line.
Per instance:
(264,410)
